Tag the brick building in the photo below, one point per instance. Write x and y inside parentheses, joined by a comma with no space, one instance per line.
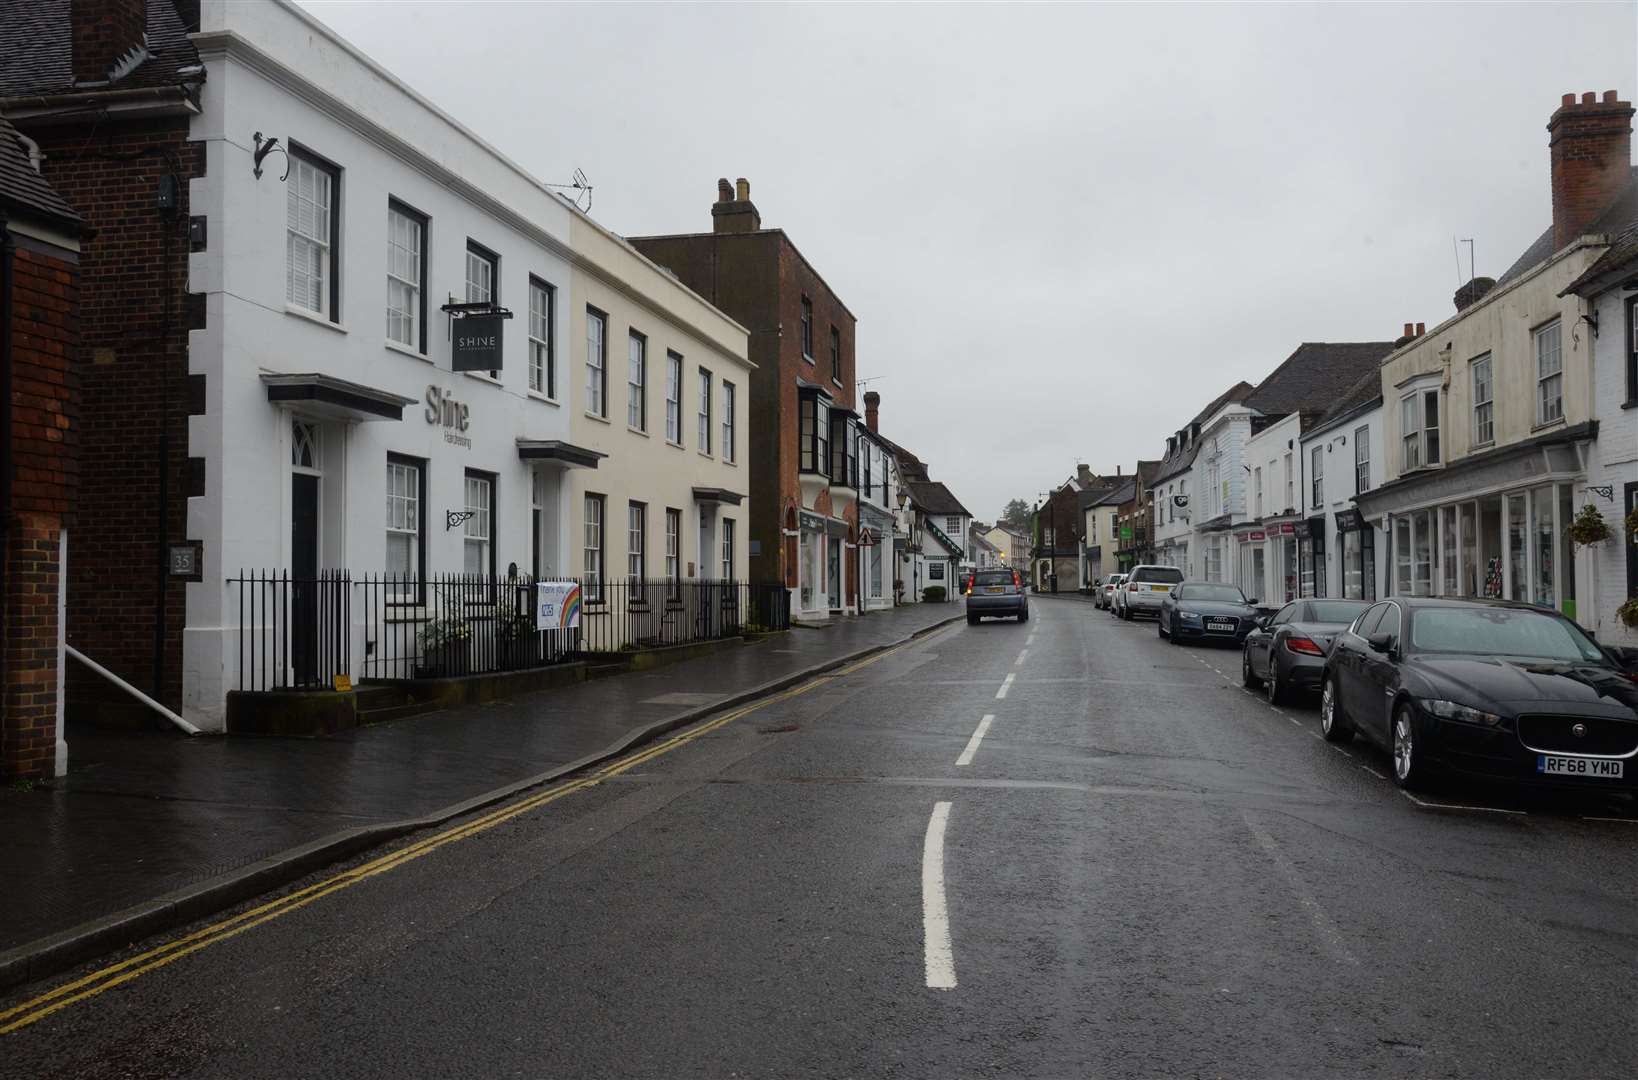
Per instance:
(107,89)
(39,252)
(804,439)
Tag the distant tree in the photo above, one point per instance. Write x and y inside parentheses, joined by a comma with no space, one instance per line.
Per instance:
(1016,514)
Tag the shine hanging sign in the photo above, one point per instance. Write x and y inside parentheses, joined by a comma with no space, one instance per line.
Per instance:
(475,343)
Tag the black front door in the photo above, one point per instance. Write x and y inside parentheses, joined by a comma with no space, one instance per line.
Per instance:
(304,585)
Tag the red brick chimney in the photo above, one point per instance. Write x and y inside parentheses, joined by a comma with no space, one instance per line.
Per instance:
(105,32)
(1590,143)
(873,404)
(734,212)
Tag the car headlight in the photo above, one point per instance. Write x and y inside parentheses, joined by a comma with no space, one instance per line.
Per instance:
(1451,710)
(1189,616)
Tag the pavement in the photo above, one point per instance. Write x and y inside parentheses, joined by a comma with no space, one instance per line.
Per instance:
(1062,848)
(145,820)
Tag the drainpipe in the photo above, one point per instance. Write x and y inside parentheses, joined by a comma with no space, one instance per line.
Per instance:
(7,258)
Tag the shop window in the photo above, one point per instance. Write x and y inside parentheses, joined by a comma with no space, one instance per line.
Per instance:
(1549,374)
(1449,568)
(1402,556)
(1353,567)
(1517,549)
(310,235)
(406,276)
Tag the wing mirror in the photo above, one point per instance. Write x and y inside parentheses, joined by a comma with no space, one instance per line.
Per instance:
(1252,602)
(1381,643)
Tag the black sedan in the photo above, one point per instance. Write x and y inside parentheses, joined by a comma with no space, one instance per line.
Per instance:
(1488,688)
(1205,611)
(1285,652)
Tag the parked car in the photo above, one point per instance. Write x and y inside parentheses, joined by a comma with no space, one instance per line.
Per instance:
(1491,688)
(996,593)
(1106,590)
(1285,652)
(1205,611)
(1145,588)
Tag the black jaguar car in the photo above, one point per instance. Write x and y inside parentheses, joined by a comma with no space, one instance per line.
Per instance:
(1285,652)
(1206,611)
(1484,687)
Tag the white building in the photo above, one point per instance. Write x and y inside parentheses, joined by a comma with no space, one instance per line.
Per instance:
(1610,570)
(1344,455)
(883,526)
(1175,488)
(1269,564)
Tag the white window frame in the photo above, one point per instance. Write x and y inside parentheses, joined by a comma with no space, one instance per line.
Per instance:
(597,363)
(310,235)
(404,480)
(542,327)
(636,541)
(728,391)
(591,547)
(1316,462)
(673,398)
(1549,342)
(727,549)
(482,275)
(637,381)
(1290,482)
(673,551)
(478,531)
(406,254)
(704,388)
(1362,460)
(1484,400)
(1257,488)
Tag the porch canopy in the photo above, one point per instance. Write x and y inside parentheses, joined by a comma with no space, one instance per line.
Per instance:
(333,398)
(718,495)
(558,452)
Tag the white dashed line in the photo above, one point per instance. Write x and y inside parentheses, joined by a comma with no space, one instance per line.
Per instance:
(1021,654)
(1006,684)
(1330,937)
(1626,820)
(1341,751)
(1030,640)
(935,915)
(966,757)
(1373,772)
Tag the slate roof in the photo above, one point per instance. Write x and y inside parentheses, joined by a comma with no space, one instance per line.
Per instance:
(1310,379)
(39,57)
(933,497)
(1366,390)
(911,467)
(24,191)
(1124,491)
(1621,213)
(1182,457)
(1621,255)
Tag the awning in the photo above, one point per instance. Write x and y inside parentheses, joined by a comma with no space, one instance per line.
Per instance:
(718,495)
(558,452)
(338,399)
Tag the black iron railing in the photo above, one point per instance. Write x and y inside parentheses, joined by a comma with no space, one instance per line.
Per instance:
(300,633)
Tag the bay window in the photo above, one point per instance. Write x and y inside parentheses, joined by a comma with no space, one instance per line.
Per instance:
(813,434)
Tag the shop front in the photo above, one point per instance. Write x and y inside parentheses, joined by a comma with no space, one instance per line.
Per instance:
(1251,553)
(1356,556)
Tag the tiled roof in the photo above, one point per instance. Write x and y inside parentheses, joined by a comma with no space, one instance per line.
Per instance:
(1182,457)
(1366,389)
(1621,255)
(39,56)
(22,189)
(1312,377)
(934,498)
(1621,213)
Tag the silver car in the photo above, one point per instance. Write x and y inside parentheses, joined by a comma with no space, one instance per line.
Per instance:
(1107,589)
(1146,588)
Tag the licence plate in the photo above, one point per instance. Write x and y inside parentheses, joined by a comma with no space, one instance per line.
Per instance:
(1160,588)
(1602,768)
(1219,624)
(995,589)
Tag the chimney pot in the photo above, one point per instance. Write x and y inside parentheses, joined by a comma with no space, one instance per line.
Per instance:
(734,212)
(1421,328)
(873,402)
(1408,330)
(743,189)
(1567,100)
(1610,97)
(1590,151)
(725,190)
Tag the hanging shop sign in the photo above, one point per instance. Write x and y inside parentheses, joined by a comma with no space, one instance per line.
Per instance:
(453,416)
(475,343)
(557,605)
(1287,529)
(1350,520)
(1252,537)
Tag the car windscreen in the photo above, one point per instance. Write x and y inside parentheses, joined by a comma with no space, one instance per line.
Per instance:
(1116,579)
(1336,611)
(1222,594)
(993,577)
(1158,573)
(1500,632)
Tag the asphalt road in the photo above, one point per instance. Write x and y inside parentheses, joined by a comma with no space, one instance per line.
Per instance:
(1144,871)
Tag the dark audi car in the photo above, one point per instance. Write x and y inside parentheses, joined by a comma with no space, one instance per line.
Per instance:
(1486,687)
(1206,611)
(1285,652)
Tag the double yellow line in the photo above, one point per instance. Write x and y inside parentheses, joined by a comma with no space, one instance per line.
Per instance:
(38,1008)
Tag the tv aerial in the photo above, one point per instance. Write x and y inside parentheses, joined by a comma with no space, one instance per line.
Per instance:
(581,187)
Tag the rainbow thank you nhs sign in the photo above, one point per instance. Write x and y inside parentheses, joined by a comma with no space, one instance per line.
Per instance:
(557,605)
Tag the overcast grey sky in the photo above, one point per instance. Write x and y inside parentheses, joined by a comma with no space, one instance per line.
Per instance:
(1063,229)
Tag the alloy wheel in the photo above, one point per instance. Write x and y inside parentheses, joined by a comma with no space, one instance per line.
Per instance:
(1328,709)
(1271,683)
(1403,746)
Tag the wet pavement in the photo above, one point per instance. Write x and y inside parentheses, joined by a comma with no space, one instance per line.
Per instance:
(142,814)
(1141,870)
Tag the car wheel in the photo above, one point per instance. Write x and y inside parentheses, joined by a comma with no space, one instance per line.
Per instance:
(1271,684)
(1160,625)
(1409,770)
(1333,724)
(1246,677)
(1023,616)
(972,620)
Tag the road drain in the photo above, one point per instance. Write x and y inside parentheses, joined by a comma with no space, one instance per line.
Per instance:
(776,729)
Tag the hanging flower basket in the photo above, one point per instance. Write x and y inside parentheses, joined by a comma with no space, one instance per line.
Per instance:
(1589,527)
(1628,613)
(1632,523)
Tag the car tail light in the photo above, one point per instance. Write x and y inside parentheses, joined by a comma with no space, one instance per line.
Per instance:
(1016,582)
(1303,645)
(1131,588)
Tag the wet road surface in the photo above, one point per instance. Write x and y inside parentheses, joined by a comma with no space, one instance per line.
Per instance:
(1062,848)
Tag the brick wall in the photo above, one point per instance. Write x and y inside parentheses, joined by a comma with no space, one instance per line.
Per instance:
(131,356)
(45,435)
